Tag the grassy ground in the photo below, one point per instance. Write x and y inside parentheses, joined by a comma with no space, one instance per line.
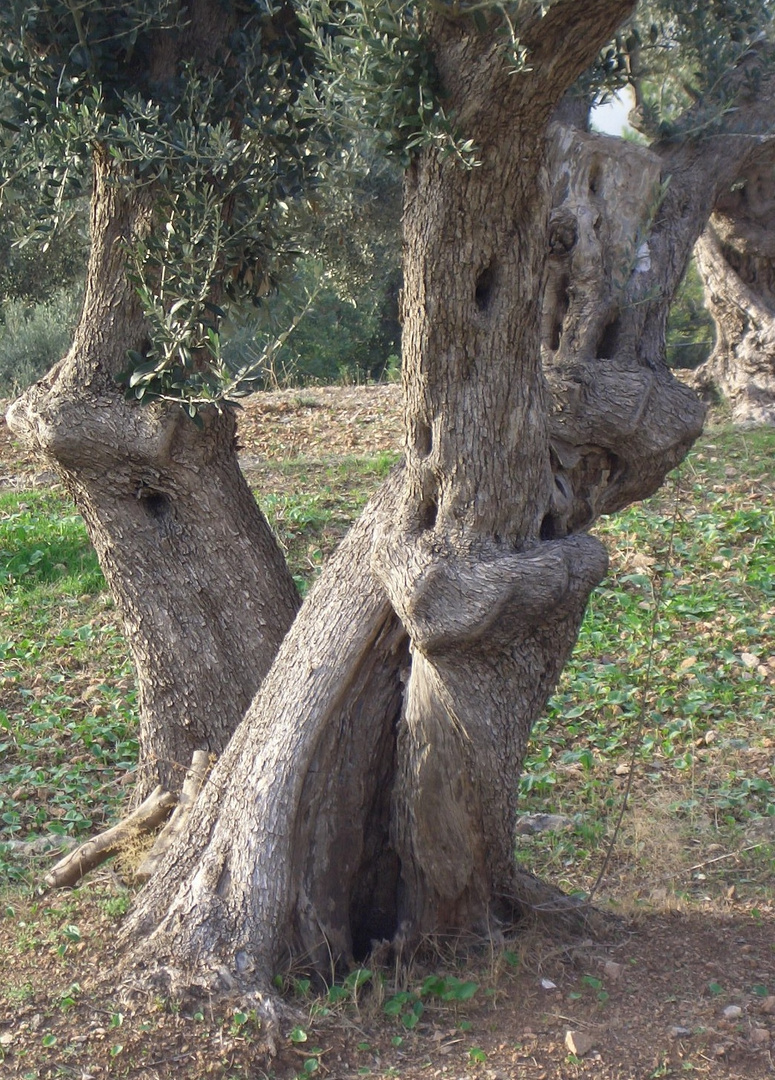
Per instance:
(669,699)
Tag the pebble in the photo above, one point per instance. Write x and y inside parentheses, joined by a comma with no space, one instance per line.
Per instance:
(612,970)
(760,1036)
(679,1032)
(530,824)
(732,1012)
(578,1042)
(768,1005)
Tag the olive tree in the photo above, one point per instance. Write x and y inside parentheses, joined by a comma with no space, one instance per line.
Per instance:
(177,119)
(368,793)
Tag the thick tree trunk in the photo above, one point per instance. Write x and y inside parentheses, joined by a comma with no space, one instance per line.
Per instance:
(365,797)
(197,575)
(289,843)
(736,259)
(492,611)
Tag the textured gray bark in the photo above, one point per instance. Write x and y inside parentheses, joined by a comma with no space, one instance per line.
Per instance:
(370,791)
(623,225)
(736,259)
(197,575)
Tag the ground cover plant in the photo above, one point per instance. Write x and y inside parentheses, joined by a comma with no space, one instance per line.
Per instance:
(670,691)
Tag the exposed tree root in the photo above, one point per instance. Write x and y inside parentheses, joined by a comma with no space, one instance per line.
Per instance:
(251,993)
(540,900)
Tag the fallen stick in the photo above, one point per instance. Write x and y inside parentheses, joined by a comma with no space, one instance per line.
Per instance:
(147,817)
(192,785)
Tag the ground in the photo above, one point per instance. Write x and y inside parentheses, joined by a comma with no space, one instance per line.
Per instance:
(675,973)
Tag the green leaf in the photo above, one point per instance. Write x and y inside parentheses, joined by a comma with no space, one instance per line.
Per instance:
(462,991)
(393,1006)
(433,986)
(357,978)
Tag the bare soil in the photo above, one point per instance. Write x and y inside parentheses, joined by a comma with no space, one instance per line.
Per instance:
(645,987)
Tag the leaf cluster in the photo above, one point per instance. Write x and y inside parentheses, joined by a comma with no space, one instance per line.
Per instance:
(203,117)
(680,56)
(379,74)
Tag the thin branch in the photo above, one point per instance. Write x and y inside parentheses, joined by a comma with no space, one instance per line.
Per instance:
(148,816)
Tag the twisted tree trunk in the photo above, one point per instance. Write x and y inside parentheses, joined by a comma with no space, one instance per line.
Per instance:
(370,791)
(736,259)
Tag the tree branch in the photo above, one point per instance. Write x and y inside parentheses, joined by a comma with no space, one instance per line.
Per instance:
(93,853)
(562,43)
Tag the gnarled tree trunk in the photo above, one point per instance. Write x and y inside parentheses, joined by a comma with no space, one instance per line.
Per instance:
(199,580)
(736,259)
(624,221)
(370,791)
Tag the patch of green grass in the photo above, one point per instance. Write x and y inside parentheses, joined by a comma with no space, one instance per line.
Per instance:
(311,504)
(675,661)
(67,703)
(42,541)
(693,569)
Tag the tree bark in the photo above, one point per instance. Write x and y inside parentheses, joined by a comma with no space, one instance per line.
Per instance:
(197,575)
(288,846)
(736,259)
(623,224)
(370,792)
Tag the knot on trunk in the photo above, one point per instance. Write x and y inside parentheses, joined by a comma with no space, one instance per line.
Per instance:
(448,600)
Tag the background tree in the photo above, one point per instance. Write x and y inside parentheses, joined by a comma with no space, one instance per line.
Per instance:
(698,75)
(690,328)
(335,316)
(735,258)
